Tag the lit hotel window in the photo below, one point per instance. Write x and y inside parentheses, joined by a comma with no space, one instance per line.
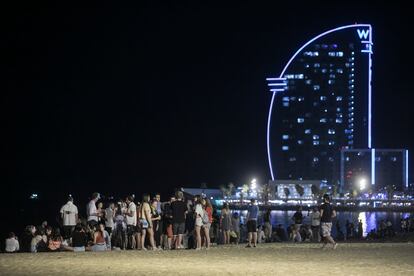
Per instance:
(340,71)
(315,159)
(285,137)
(315,137)
(285,99)
(307,131)
(322,120)
(331,143)
(316,87)
(285,148)
(315,143)
(300,142)
(285,104)
(331,131)
(292,159)
(338,120)
(300,120)
(323,98)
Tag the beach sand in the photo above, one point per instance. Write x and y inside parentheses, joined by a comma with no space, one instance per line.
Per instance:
(266,259)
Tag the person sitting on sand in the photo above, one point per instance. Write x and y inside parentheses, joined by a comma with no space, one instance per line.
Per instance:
(100,239)
(39,242)
(55,242)
(12,244)
(79,239)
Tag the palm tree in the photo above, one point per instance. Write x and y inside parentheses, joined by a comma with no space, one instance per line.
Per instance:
(223,190)
(265,191)
(230,188)
(315,191)
(287,193)
(390,189)
(301,191)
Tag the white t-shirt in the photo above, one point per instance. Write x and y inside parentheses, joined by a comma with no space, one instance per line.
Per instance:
(199,210)
(132,208)
(12,245)
(69,211)
(109,218)
(90,210)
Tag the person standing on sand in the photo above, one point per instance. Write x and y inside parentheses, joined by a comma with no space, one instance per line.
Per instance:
(69,215)
(91,210)
(315,224)
(327,214)
(252,214)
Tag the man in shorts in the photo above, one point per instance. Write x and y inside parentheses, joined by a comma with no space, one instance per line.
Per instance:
(252,214)
(327,214)
(179,210)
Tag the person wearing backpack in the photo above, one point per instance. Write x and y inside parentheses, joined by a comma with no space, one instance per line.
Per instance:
(207,220)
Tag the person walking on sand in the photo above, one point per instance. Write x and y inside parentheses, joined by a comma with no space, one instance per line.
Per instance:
(327,214)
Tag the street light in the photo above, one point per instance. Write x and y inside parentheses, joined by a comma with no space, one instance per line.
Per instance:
(362,183)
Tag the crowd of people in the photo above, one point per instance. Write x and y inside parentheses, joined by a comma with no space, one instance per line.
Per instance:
(178,223)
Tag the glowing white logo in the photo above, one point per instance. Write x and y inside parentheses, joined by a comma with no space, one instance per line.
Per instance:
(363,34)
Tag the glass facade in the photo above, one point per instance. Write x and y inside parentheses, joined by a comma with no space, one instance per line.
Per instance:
(380,167)
(321,105)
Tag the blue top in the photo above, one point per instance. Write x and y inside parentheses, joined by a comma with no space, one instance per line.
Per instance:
(253,211)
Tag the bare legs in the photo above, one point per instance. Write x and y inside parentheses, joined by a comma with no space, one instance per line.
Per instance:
(252,239)
(198,236)
(206,231)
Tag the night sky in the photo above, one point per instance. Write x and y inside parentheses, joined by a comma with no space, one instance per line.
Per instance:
(153,97)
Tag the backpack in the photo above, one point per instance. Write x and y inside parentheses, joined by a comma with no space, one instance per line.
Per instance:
(204,218)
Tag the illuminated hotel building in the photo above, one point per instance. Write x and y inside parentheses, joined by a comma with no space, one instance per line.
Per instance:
(320,114)
(321,104)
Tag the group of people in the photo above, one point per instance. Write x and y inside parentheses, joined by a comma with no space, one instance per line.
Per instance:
(155,225)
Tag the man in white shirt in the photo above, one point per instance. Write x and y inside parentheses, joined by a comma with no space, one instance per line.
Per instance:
(131,220)
(12,244)
(91,211)
(69,215)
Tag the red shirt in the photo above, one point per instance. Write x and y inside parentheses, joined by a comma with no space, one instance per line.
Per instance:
(209,211)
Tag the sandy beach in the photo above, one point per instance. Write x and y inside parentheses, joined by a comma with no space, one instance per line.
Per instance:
(267,259)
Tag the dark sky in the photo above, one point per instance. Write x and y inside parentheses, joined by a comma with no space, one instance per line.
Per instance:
(154,97)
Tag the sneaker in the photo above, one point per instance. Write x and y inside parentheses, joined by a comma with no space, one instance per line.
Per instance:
(254,246)
(248,246)
(335,245)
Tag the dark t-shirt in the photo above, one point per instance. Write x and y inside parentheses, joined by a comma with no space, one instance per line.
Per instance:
(178,209)
(327,212)
(79,239)
(298,217)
